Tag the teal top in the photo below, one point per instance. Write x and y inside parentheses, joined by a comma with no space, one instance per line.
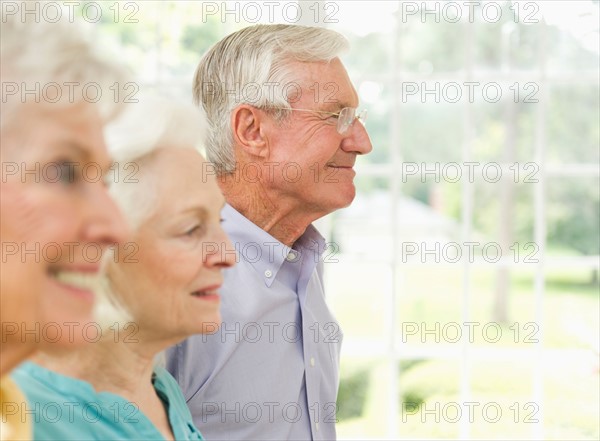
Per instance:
(65,408)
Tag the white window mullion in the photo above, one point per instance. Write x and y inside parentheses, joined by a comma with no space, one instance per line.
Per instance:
(467,198)
(540,234)
(394,392)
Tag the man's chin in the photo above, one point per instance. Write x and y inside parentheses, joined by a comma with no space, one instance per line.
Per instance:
(345,197)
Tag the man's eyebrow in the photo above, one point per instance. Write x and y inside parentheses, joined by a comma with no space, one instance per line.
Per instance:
(335,107)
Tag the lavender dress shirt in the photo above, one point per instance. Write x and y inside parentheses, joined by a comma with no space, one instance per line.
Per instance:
(271,371)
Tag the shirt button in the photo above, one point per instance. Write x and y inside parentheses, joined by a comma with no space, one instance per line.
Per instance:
(312,361)
(291,256)
(268,273)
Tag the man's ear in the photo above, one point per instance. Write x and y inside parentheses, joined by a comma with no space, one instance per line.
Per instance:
(246,122)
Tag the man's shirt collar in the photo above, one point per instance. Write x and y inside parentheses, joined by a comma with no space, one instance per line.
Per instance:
(262,251)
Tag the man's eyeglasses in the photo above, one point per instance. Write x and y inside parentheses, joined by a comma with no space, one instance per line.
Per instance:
(345,117)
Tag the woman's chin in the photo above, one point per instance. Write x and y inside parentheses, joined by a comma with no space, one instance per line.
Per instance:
(211,326)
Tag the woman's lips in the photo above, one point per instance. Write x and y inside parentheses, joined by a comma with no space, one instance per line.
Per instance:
(78,281)
(210,293)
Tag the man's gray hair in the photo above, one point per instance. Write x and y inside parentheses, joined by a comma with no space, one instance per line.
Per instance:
(54,64)
(253,66)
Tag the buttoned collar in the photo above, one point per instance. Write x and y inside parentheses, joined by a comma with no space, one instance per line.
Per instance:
(261,250)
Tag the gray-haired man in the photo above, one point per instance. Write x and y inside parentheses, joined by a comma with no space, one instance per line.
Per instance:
(284,139)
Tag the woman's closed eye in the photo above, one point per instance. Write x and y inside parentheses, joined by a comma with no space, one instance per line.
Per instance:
(195,231)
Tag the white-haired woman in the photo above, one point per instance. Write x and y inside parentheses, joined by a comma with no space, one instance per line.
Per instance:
(167,278)
(51,211)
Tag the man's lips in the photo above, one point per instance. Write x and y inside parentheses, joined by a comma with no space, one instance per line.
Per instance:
(344,170)
(341,166)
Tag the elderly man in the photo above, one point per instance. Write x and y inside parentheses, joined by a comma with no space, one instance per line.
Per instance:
(283,139)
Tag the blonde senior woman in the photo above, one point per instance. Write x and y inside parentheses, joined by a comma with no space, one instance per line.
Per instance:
(167,277)
(51,211)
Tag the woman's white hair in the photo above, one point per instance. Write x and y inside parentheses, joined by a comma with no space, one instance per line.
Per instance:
(54,64)
(144,127)
(133,139)
(252,66)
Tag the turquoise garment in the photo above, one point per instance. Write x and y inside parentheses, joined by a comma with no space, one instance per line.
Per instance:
(65,408)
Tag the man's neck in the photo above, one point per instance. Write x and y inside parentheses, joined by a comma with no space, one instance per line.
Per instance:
(281,218)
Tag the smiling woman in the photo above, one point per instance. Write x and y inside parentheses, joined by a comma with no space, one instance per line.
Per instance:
(50,212)
(169,286)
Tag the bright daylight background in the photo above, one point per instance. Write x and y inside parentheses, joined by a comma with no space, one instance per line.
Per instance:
(498,346)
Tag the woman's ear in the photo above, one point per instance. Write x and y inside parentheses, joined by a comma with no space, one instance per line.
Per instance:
(246,122)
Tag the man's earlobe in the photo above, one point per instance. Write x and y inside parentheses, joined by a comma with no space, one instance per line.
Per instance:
(247,133)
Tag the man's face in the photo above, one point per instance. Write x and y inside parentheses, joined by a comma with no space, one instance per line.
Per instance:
(313,163)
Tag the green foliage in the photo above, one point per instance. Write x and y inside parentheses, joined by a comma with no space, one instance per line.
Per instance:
(573,131)
(428,379)
(369,184)
(199,38)
(352,394)
(431,45)
(433,132)
(369,55)
(414,396)
(574,215)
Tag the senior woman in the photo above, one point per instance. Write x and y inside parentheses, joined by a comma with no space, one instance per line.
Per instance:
(168,282)
(50,212)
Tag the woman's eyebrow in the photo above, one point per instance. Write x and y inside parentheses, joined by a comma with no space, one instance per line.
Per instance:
(84,153)
(199,210)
